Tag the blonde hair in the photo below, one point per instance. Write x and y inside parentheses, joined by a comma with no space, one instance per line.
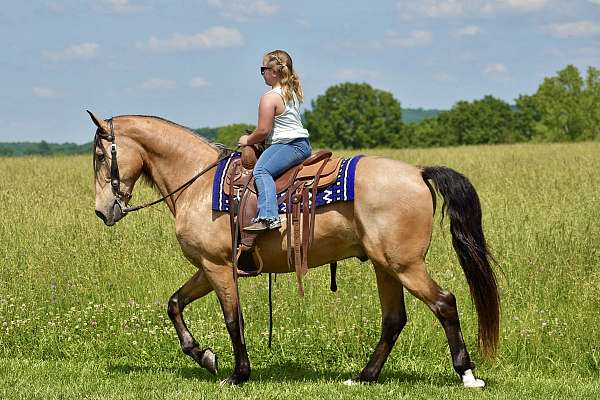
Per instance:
(281,62)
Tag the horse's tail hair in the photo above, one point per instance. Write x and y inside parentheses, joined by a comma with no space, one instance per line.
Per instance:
(461,202)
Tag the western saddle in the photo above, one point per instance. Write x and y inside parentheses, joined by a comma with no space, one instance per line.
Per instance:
(297,189)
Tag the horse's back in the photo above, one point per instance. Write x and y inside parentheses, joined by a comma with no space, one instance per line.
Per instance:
(383,182)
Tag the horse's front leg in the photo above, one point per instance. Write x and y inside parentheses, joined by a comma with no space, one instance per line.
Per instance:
(197,286)
(221,278)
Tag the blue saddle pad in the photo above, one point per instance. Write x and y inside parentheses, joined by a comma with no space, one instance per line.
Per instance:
(341,190)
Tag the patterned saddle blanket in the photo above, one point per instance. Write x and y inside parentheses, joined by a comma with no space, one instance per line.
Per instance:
(342,189)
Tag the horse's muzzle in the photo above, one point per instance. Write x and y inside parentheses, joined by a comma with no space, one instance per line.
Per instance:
(114,215)
(100,215)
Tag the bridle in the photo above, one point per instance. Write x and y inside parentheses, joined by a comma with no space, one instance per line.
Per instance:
(115,179)
(115,183)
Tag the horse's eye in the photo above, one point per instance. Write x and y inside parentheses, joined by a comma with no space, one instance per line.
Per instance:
(101,157)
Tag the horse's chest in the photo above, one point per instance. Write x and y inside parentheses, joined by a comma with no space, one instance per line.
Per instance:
(199,237)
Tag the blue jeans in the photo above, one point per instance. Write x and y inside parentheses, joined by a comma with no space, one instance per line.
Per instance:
(274,161)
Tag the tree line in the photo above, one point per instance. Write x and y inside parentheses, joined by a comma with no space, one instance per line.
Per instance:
(43,148)
(565,107)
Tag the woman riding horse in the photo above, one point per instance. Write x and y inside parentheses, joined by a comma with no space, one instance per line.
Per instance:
(279,125)
(393,231)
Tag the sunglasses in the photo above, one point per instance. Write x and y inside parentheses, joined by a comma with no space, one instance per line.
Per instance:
(263,69)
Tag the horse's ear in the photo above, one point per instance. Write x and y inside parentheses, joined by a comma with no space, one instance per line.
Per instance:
(99,122)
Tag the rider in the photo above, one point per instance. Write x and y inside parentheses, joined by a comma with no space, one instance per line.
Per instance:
(279,125)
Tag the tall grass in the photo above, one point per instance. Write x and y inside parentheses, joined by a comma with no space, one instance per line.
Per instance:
(74,292)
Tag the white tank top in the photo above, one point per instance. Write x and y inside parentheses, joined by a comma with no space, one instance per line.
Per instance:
(287,126)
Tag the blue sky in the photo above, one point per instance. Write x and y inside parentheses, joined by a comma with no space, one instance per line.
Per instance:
(196,62)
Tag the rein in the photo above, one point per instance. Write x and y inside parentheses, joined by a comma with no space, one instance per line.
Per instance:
(115,179)
(115,183)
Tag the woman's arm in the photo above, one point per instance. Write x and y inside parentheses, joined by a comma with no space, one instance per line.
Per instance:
(266,113)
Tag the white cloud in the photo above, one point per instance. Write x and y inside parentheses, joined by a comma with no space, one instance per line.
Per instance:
(469,31)
(213,38)
(83,51)
(415,39)
(597,2)
(443,77)
(514,6)
(158,84)
(495,69)
(448,8)
(303,23)
(574,29)
(527,5)
(356,45)
(45,92)
(354,74)
(432,8)
(240,10)
(55,8)
(199,82)
(264,8)
(466,8)
(122,6)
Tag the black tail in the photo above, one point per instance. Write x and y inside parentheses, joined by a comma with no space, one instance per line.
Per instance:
(462,205)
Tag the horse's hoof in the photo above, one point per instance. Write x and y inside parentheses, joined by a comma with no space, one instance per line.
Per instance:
(469,380)
(234,380)
(209,361)
(361,379)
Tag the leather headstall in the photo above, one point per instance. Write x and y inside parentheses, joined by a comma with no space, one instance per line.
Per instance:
(115,178)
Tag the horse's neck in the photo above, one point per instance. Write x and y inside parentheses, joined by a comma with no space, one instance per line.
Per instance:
(171,156)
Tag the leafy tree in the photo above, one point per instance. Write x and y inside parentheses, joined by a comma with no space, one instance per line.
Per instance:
(352,115)
(488,120)
(229,134)
(527,116)
(428,133)
(208,133)
(44,148)
(418,114)
(558,99)
(569,106)
(565,108)
(6,150)
(591,104)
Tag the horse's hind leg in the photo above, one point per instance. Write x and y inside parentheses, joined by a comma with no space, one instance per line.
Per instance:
(196,287)
(393,319)
(415,278)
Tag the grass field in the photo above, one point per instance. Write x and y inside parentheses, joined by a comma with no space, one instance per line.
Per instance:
(83,306)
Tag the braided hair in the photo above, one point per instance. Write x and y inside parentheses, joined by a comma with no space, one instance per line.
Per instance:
(281,62)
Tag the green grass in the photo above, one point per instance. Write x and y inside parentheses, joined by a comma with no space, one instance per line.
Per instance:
(82,306)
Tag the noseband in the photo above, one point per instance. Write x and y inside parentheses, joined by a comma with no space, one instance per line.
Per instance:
(115,179)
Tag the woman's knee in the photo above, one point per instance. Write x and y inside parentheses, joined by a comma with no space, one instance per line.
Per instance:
(260,171)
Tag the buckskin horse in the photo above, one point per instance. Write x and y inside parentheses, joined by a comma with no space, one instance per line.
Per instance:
(392,231)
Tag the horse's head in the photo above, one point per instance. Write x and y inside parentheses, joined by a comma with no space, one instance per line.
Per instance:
(117,166)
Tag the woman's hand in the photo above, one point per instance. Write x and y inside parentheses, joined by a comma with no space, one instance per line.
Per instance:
(243,140)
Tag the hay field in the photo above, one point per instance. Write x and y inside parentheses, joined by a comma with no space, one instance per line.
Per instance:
(83,306)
